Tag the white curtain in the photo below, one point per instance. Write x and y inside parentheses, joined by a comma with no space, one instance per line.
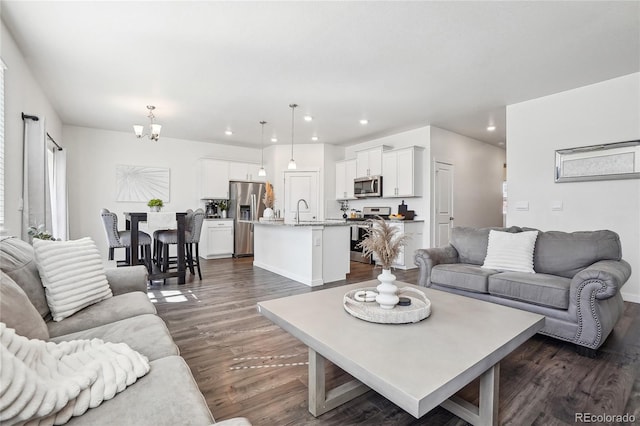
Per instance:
(36,204)
(59,206)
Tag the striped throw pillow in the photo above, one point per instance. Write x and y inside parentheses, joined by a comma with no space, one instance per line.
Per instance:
(72,274)
(511,251)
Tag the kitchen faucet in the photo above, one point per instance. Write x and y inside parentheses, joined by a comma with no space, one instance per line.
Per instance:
(306,206)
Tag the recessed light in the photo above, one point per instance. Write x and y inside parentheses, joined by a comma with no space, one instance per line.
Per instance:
(274,139)
(364,121)
(314,138)
(308,118)
(491,128)
(228,132)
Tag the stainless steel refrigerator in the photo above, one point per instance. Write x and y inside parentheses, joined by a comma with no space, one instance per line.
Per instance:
(245,204)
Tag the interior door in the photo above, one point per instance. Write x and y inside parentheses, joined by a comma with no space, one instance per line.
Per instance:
(301,186)
(443,203)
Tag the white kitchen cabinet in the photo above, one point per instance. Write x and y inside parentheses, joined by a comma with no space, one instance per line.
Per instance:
(414,230)
(369,162)
(244,171)
(214,178)
(402,173)
(216,239)
(345,174)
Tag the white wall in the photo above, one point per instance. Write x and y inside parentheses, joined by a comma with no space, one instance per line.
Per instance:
(92,158)
(22,94)
(478,173)
(600,113)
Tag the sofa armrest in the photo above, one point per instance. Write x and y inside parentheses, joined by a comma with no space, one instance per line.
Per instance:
(426,259)
(604,278)
(127,279)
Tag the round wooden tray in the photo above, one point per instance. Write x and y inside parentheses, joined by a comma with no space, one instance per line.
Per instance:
(419,309)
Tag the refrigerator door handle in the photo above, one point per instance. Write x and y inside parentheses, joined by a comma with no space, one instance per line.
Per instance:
(253,206)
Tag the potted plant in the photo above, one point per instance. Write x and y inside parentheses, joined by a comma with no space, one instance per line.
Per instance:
(385,241)
(222,206)
(268,200)
(40,233)
(155,204)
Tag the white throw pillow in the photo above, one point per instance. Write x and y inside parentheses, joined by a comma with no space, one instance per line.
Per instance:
(72,273)
(509,251)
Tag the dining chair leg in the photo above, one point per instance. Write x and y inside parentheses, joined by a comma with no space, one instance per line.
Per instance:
(147,258)
(111,250)
(165,257)
(198,260)
(189,251)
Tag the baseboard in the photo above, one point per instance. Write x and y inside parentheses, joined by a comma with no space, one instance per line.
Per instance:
(630,297)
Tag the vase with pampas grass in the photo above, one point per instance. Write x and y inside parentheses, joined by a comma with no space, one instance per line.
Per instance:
(385,241)
(268,200)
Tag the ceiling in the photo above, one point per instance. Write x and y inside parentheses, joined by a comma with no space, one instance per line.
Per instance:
(213,66)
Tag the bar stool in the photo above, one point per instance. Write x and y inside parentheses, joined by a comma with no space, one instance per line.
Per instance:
(122,239)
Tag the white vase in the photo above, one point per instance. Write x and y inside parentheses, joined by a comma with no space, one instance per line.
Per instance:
(268,213)
(223,214)
(387,296)
(154,208)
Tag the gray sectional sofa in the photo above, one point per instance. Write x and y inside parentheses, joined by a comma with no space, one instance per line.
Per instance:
(167,395)
(576,284)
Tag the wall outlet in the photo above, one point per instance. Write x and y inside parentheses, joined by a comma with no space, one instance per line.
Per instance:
(556,206)
(522,206)
(317,241)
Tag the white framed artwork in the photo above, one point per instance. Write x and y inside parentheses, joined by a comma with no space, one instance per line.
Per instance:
(141,184)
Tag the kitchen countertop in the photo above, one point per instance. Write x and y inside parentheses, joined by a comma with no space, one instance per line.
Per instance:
(217,218)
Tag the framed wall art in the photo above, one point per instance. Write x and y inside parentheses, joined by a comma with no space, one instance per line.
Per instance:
(619,160)
(140,183)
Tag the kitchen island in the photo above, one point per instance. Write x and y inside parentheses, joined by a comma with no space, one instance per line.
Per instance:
(312,253)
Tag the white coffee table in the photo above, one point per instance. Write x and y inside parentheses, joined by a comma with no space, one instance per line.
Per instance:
(417,366)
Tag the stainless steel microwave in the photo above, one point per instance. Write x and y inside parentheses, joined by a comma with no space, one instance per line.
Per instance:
(367,187)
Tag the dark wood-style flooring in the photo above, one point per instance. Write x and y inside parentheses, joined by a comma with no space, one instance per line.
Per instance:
(247,366)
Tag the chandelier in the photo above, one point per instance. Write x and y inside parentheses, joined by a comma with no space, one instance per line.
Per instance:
(154,129)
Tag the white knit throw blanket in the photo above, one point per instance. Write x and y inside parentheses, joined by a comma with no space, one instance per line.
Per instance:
(46,383)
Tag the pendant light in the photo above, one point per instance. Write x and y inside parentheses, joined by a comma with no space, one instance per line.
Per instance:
(154,128)
(292,162)
(262,171)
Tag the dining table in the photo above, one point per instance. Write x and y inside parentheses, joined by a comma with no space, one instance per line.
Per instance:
(133,220)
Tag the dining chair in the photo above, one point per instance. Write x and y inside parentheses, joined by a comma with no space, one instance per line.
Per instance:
(193,228)
(122,239)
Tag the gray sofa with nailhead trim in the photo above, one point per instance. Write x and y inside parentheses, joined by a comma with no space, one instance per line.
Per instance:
(576,285)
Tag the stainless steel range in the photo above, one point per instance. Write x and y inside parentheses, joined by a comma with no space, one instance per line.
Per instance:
(359,228)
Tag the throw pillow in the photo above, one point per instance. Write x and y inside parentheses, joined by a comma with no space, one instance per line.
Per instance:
(72,274)
(511,252)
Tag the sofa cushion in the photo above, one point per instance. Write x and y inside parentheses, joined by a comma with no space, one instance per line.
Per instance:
(462,275)
(511,251)
(167,395)
(565,254)
(17,312)
(146,334)
(471,243)
(17,260)
(539,289)
(72,274)
(107,311)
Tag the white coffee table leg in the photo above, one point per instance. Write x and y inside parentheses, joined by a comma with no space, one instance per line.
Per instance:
(321,400)
(486,414)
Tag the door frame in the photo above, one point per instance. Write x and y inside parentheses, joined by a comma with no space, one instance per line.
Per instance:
(434,213)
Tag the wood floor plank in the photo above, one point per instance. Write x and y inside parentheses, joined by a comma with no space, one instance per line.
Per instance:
(247,366)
